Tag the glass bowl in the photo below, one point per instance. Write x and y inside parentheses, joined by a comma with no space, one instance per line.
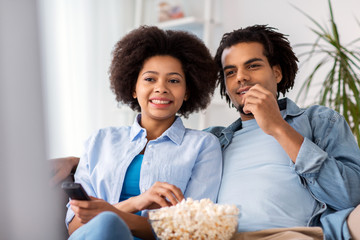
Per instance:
(194,227)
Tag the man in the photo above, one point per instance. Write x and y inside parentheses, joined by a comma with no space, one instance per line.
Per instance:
(284,166)
(290,166)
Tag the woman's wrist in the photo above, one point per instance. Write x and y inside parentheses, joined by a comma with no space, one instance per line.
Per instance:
(127,206)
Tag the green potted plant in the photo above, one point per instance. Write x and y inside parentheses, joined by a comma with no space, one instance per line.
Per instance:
(341,63)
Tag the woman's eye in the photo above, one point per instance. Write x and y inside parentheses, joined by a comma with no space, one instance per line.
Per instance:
(149,79)
(174,81)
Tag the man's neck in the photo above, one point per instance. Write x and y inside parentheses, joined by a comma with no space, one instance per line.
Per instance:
(246,117)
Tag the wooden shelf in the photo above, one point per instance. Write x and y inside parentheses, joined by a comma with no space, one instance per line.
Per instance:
(180,22)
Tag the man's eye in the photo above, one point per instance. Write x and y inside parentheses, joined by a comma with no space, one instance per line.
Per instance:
(229,73)
(254,66)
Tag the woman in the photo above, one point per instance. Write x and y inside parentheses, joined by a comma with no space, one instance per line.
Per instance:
(155,162)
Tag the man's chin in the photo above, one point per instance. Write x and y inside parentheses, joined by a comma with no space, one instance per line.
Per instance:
(241,110)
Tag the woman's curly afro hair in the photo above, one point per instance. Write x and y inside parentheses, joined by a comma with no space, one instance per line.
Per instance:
(277,50)
(135,48)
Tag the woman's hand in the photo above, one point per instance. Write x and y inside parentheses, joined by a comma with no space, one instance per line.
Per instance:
(87,210)
(161,194)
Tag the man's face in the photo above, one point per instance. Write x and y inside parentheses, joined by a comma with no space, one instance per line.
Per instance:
(245,65)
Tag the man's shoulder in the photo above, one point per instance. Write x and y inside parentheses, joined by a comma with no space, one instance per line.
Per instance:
(216,130)
(322,112)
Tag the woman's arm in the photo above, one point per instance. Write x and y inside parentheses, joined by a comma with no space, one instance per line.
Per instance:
(161,194)
(86,210)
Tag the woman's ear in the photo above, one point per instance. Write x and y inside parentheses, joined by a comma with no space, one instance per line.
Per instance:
(186,97)
(134,94)
(278,73)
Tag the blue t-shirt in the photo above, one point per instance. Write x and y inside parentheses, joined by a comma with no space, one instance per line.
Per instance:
(131,182)
(267,190)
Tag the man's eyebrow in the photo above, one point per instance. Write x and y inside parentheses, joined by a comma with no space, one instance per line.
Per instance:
(253,60)
(228,67)
(245,63)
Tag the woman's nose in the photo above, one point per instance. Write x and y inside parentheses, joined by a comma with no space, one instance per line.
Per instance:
(161,87)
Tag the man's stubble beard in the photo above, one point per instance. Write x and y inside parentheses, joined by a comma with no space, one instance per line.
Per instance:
(240,109)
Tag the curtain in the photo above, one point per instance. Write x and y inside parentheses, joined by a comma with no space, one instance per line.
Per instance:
(77,37)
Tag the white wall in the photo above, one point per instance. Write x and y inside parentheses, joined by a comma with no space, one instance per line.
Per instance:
(89,29)
(78,37)
(282,15)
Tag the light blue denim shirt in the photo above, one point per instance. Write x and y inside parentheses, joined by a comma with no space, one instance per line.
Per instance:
(328,163)
(189,159)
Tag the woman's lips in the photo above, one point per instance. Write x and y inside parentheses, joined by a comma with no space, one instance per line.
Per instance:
(156,101)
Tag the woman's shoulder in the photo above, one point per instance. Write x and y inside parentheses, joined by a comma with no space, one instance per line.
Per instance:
(200,134)
(110,133)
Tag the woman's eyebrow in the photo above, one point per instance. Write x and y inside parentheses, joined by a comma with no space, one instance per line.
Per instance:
(153,72)
(175,73)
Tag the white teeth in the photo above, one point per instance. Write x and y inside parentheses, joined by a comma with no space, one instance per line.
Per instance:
(160,101)
(243,92)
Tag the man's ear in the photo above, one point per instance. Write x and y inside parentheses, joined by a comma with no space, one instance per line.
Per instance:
(278,73)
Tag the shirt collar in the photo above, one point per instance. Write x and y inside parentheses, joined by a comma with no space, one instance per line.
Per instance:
(233,127)
(290,108)
(287,107)
(175,132)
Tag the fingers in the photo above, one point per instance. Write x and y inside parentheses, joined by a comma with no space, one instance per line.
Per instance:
(169,192)
(161,194)
(86,210)
(85,215)
(258,98)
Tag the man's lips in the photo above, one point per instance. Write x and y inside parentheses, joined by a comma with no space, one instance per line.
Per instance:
(242,90)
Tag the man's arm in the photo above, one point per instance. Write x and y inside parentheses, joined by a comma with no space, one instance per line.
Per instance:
(331,166)
(263,105)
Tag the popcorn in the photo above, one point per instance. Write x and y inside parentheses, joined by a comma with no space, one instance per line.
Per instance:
(193,219)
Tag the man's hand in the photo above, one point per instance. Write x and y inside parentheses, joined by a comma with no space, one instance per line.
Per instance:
(87,210)
(263,105)
(61,168)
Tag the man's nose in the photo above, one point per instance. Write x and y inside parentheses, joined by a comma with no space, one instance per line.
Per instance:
(242,76)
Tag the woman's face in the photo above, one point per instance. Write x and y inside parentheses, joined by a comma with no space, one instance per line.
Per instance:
(160,88)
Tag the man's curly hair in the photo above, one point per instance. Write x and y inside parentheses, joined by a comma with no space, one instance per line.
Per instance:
(135,48)
(277,50)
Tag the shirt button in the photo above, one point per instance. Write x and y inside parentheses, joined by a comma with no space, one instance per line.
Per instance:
(150,146)
(143,190)
(146,163)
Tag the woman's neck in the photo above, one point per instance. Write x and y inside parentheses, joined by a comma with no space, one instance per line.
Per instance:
(155,128)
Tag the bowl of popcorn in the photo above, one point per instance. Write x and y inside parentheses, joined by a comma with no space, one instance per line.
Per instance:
(195,219)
